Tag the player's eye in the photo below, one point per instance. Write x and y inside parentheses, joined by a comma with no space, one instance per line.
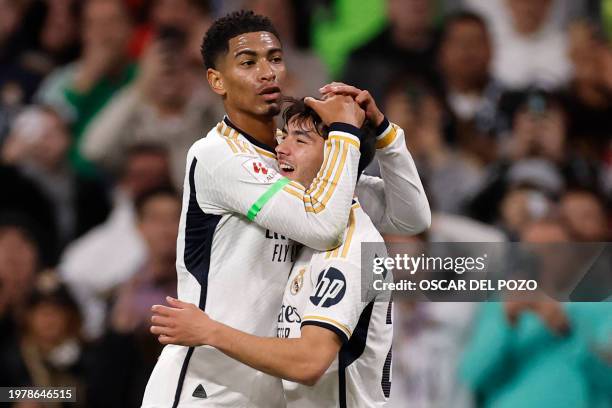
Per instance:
(277,59)
(247,63)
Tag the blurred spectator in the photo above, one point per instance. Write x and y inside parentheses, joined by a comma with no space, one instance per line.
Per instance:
(38,146)
(128,352)
(528,365)
(111,253)
(539,130)
(589,95)
(177,13)
(166,106)
(453,228)
(19,262)
(52,28)
(298,61)
(48,350)
(17,84)
(80,90)
(429,337)
(584,215)
(523,354)
(193,16)
(471,94)
(406,45)
(451,175)
(545,231)
(37,36)
(531,188)
(534,155)
(23,199)
(562,13)
(530,44)
(10,17)
(17,81)
(522,206)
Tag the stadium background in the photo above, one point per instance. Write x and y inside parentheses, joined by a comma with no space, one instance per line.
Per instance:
(510,123)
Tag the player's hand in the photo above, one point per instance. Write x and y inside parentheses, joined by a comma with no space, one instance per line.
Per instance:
(182,323)
(362,97)
(337,108)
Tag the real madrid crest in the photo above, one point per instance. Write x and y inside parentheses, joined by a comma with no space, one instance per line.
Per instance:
(298,282)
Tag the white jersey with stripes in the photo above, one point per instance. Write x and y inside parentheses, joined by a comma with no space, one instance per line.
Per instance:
(235,250)
(325,290)
(237,244)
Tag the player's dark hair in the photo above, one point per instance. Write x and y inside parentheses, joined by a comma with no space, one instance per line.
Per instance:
(143,199)
(216,40)
(297,110)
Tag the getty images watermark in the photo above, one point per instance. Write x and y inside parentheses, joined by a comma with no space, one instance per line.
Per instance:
(459,265)
(456,272)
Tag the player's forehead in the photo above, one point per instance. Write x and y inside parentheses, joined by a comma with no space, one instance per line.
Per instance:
(260,42)
(304,125)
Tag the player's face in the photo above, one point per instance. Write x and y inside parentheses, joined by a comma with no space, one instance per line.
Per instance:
(300,152)
(251,74)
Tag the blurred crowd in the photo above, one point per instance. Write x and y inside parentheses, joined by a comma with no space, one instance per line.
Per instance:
(507,108)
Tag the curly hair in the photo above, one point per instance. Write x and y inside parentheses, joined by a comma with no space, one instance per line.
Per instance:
(216,40)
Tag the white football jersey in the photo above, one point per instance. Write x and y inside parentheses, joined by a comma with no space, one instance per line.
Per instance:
(236,269)
(324,289)
(233,262)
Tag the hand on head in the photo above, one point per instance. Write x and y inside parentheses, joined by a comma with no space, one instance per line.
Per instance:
(337,108)
(361,97)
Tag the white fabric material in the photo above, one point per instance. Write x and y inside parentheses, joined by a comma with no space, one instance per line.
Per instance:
(327,291)
(249,264)
(396,203)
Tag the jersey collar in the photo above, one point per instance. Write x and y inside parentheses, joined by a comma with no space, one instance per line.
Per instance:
(249,137)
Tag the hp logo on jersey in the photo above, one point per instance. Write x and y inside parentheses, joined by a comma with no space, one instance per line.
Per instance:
(330,288)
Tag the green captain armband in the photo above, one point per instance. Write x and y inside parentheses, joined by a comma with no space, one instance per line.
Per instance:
(265,197)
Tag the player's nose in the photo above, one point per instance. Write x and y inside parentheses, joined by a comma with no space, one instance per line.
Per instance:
(267,72)
(283,149)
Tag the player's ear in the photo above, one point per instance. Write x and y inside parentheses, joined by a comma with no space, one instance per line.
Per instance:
(215,81)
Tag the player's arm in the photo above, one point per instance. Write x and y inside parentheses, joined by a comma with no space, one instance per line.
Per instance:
(396,203)
(303,360)
(315,216)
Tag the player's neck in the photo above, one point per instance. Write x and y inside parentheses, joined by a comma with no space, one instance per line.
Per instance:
(263,129)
